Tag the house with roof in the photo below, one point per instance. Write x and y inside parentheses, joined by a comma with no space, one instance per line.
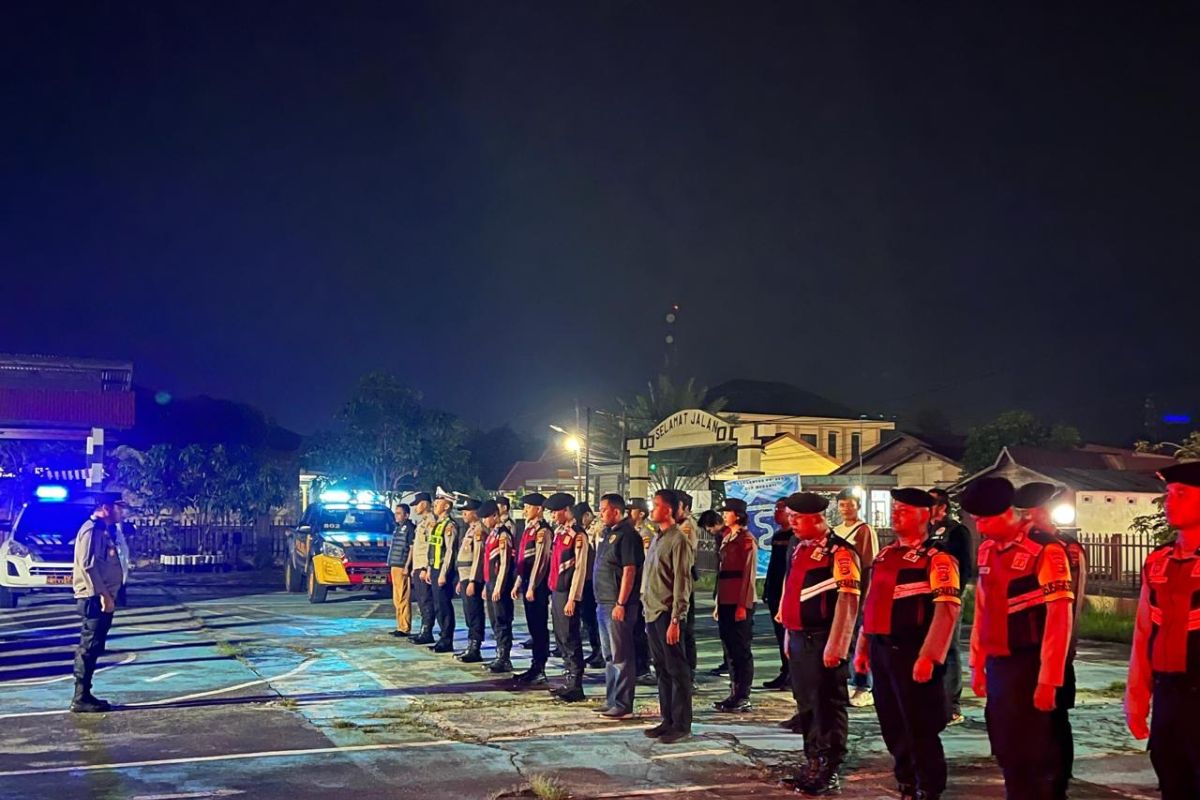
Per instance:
(920,461)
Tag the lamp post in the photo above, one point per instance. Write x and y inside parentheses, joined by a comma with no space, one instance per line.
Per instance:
(572,444)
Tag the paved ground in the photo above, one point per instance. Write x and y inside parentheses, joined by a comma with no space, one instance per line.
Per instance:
(229,687)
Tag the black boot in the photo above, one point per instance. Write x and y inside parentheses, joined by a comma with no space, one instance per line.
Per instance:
(596,661)
(825,780)
(571,693)
(425,637)
(500,665)
(85,703)
(534,676)
(779,682)
(472,655)
(721,670)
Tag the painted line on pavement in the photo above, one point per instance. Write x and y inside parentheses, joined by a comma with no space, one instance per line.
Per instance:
(689,754)
(162,677)
(382,681)
(190,795)
(44,681)
(164,701)
(671,790)
(161,762)
(374,607)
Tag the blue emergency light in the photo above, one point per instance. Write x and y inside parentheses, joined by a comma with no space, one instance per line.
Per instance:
(50,493)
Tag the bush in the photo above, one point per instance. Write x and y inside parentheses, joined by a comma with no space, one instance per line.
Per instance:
(1105,626)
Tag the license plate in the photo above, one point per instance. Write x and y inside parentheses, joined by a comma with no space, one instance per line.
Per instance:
(58,580)
(374,580)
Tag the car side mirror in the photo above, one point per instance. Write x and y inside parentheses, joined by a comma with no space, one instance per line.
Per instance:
(304,529)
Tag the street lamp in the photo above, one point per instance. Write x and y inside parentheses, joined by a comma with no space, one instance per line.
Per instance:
(572,444)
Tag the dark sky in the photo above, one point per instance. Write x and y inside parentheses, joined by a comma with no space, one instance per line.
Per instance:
(896,205)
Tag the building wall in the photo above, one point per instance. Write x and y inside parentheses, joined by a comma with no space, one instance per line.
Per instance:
(925,471)
(817,430)
(1111,512)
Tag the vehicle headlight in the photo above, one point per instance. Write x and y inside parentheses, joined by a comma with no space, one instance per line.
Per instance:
(332,550)
(19,550)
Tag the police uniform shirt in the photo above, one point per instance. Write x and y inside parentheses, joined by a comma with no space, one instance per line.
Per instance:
(906,585)
(619,547)
(738,567)
(568,561)
(96,569)
(818,572)
(1016,580)
(420,547)
(443,540)
(1171,592)
(535,538)
(470,552)
(499,540)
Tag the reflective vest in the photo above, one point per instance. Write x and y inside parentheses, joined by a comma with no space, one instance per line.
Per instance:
(528,550)
(562,558)
(1016,581)
(818,571)
(1174,586)
(491,553)
(437,542)
(906,582)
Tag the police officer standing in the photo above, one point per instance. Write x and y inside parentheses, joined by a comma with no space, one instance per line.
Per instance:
(533,565)
(638,513)
(818,609)
(469,560)
(586,522)
(399,557)
(1164,667)
(1033,502)
(96,576)
(569,564)
(617,578)
(910,612)
(498,573)
(1019,639)
(441,575)
(423,522)
(781,542)
(736,597)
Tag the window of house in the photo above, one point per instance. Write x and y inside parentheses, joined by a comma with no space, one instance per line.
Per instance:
(810,438)
(855,445)
(1108,500)
(833,443)
(1131,500)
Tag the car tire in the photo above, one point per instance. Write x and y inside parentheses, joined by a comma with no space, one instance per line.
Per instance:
(292,581)
(316,590)
(7,599)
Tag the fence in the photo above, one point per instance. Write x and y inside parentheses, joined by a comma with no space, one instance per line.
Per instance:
(259,545)
(1115,561)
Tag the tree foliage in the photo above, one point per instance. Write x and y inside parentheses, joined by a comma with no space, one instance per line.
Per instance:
(985,442)
(1155,524)
(386,439)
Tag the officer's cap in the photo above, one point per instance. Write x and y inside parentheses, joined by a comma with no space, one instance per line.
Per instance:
(987,497)
(735,505)
(442,494)
(422,497)
(488,508)
(559,500)
(1186,472)
(913,497)
(501,500)
(534,499)
(471,504)
(1035,494)
(581,508)
(639,504)
(807,503)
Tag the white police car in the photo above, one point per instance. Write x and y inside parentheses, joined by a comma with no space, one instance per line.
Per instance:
(38,554)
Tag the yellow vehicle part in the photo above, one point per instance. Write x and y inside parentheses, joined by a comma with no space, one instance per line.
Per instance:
(330,571)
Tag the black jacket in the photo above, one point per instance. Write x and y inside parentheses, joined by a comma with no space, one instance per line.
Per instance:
(402,539)
(955,538)
(777,566)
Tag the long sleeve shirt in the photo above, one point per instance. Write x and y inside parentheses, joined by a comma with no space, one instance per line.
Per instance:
(97,564)
(667,575)
(420,546)
(470,553)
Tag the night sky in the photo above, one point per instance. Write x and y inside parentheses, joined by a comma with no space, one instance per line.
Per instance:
(896,205)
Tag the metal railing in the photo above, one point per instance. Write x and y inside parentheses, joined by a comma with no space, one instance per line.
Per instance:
(1115,561)
(235,543)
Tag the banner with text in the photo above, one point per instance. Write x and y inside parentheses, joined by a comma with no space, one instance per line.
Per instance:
(760,495)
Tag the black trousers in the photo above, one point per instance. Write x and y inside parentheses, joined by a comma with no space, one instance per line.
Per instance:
(567,632)
(1064,701)
(93,637)
(688,635)
(641,643)
(424,596)
(473,611)
(537,616)
(1022,737)
(773,607)
(821,697)
(588,603)
(737,637)
(674,675)
(500,613)
(911,715)
(954,674)
(443,602)
(1174,746)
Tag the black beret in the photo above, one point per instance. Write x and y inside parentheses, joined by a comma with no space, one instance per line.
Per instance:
(108,498)
(913,497)
(488,508)
(535,499)
(582,508)
(807,503)
(1185,472)
(847,494)
(501,500)
(559,500)
(422,497)
(733,504)
(470,504)
(639,503)
(1034,494)
(987,497)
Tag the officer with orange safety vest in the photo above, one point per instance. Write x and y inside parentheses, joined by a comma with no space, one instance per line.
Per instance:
(912,604)
(1164,668)
(498,576)
(818,608)
(1033,501)
(533,566)
(1020,639)
(569,565)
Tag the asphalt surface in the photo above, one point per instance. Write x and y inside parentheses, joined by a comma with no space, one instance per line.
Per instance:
(229,687)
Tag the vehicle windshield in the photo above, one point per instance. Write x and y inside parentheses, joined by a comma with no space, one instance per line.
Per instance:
(369,521)
(50,524)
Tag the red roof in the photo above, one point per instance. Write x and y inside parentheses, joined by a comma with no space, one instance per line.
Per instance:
(66,408)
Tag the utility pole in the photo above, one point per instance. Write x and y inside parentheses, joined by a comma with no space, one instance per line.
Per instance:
(587,456)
